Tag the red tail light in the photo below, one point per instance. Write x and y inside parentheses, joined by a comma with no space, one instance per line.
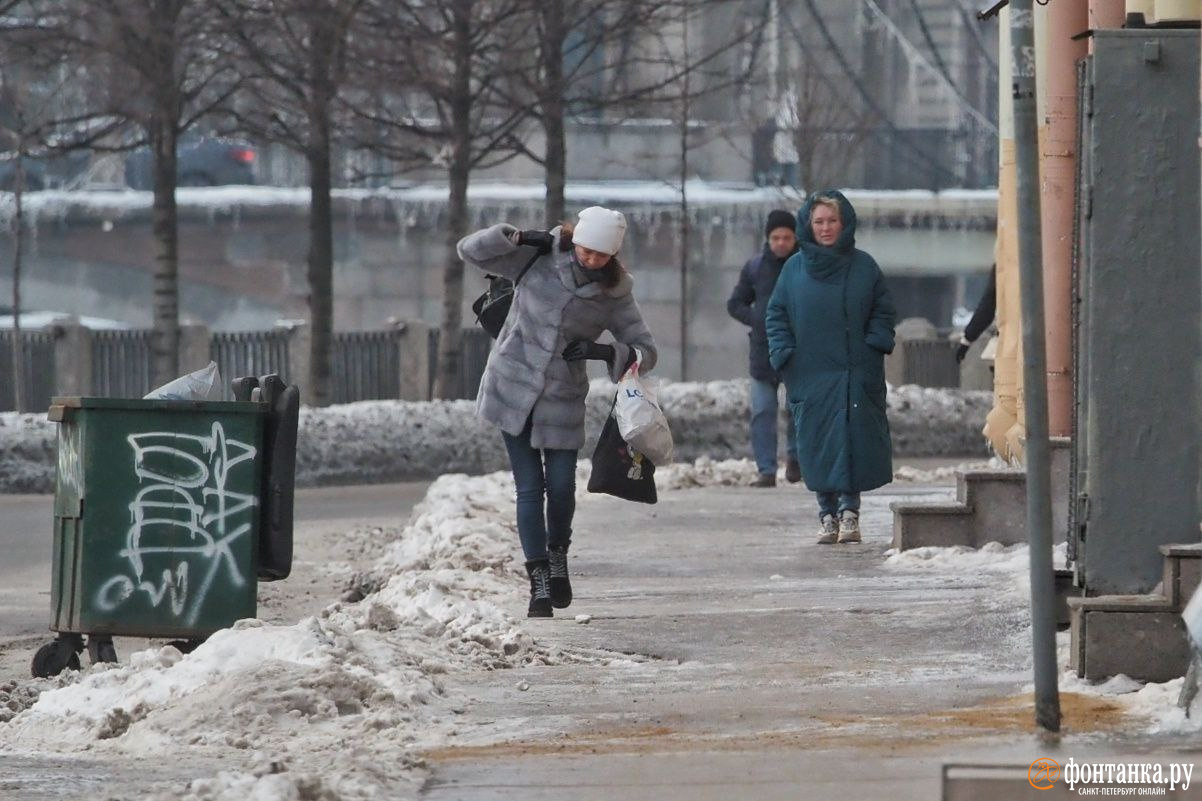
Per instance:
(242,154)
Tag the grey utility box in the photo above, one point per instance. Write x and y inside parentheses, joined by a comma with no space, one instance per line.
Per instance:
(1138,422)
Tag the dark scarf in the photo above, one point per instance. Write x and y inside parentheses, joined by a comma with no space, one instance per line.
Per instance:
(583,276)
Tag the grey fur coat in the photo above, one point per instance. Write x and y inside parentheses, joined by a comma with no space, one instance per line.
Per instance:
(526,375)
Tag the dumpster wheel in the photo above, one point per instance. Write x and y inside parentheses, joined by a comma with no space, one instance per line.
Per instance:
(56,656)
(100,649)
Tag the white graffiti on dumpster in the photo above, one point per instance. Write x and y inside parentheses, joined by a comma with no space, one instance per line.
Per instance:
(185,510)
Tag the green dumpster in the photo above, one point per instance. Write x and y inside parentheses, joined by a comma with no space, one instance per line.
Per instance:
(156,516)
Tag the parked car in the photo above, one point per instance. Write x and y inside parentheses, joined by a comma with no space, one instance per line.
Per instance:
(35,174)
(44,172)
(200,161)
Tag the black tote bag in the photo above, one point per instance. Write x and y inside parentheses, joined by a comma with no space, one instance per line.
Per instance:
(619,471)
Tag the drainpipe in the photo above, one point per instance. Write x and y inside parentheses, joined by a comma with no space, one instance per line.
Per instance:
(1058,156)
(1106,15)
(1039,495)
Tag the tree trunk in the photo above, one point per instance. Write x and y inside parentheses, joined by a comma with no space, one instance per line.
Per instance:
(450,339)
(18,245)
(684,204)
(321,232)
(163,131)
(321,276)
(166,234)
(552,107)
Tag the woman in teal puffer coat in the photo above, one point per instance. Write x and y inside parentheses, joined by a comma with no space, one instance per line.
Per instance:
(830,324)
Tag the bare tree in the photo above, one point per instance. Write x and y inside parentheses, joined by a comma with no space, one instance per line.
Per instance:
(14,135)
(300,60)
(614,58)
(33,87)
(824,130)
(453,61)
(146,73)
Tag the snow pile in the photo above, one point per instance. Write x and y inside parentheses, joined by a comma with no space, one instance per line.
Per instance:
(705,472)
(378,441)
(931,422)
(1009,564)
(993,557)
(1158,704)
(942,475)
(27,453)
(279,702)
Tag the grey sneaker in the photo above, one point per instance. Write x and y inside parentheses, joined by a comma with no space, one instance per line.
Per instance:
(849,527)
(829,532)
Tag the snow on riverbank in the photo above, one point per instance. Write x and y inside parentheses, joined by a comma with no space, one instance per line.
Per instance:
(378,441)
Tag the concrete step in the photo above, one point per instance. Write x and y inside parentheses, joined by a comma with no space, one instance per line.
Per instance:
(991,506)
(925,525)
(998,499)
(1141,636)
(1182,572)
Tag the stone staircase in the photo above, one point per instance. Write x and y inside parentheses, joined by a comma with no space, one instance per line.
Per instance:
(1141,636)
(990,506)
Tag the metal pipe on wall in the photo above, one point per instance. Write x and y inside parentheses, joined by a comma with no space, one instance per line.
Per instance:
(1058,157)
(1106,14)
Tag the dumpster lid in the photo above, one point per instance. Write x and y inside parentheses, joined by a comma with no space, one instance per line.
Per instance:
(59,405)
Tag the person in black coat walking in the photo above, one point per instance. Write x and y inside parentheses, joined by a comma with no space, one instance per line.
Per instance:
(748,303)
(982,318)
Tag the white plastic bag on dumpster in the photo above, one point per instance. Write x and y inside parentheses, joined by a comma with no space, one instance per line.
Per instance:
(640,420)
(202,384)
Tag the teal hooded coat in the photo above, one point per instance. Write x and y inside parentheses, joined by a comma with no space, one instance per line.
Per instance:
(830,324)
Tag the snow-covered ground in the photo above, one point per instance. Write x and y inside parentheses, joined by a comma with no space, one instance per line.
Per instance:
(376,441)
(277,705)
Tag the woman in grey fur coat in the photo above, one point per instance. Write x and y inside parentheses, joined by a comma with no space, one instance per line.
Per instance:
(535,383)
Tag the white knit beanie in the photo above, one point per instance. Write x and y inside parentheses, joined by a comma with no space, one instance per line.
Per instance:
(600,229)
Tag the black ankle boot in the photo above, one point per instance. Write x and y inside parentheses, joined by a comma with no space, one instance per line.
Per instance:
(540,588)
(561,586)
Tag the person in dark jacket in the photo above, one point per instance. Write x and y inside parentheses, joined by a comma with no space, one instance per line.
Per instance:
(830,323)
(748,303)
(982,318)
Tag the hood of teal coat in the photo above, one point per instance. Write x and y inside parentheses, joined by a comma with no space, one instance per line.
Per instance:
(821,262)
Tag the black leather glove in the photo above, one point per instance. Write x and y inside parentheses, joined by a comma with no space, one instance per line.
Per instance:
(539,240)
(962,351)
(583,349)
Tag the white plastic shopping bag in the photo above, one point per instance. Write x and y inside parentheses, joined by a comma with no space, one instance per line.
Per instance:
(202,384)
(640,420)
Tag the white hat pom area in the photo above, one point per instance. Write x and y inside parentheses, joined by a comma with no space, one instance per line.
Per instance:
(600,229)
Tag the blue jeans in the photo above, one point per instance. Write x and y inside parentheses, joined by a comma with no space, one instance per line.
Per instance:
(764,409)
(836,503)
(550,472)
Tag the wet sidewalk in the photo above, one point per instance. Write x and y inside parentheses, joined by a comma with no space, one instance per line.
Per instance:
(754,663)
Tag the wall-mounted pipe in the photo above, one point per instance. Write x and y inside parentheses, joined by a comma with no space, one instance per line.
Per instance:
(1058,157)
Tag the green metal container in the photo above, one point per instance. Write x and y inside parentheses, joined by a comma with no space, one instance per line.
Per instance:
(156,518)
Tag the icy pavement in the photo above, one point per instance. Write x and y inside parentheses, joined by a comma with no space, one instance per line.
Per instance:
(382,441)
(725,654)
